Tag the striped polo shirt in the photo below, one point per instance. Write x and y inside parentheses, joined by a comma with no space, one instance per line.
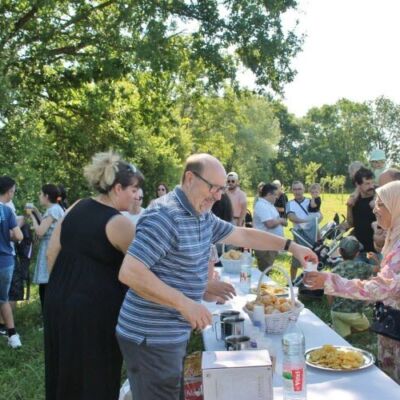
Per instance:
(174,242)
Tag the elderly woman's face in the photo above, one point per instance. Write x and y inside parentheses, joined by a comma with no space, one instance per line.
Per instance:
(383,216)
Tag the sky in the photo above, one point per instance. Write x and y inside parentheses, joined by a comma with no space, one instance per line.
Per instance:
(351,50)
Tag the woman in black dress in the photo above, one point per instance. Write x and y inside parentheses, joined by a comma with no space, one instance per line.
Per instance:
(83,298)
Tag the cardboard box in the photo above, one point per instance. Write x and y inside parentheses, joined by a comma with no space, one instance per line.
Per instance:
(237,375)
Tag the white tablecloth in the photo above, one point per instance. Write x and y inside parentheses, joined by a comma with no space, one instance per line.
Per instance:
(367,384)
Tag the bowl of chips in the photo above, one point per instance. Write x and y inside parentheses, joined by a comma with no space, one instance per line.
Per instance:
(232,261)
(338,358)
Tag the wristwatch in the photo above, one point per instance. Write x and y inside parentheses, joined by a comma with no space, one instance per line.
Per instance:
(287,244)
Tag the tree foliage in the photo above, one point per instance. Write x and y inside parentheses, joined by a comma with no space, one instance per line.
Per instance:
(311,171)
(386,120)
(335,135)
(50,45)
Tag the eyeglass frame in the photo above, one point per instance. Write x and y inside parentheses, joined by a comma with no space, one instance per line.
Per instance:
(131,168)
(211,186)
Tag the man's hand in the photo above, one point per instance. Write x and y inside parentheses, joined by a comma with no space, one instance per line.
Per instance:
(374,258)
(196,314)
(351,201)
(213,299)
(283,221)
(220,289)
(303,254)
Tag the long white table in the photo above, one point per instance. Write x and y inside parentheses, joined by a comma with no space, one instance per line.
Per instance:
(367,384)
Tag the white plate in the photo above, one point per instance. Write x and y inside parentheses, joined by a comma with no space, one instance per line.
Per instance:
(369,359)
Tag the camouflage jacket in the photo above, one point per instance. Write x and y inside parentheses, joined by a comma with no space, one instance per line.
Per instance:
(351,269)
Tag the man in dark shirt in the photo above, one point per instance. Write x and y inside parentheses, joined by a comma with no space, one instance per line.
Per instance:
(360,215)
(282,199)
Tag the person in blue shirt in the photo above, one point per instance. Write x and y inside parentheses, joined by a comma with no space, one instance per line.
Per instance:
(9,231)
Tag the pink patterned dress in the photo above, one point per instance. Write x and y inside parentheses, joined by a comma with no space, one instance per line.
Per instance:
(384,287)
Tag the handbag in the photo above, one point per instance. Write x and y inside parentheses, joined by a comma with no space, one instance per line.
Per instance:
(386,321)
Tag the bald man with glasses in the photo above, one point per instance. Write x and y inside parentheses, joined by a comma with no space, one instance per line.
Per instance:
(167,267)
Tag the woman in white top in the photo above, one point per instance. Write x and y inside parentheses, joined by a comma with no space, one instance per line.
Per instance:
(266,218)
(135,209)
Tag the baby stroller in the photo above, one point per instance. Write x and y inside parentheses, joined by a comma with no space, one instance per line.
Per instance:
(323,244)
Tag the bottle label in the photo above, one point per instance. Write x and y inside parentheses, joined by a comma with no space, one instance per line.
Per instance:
(293,379)
(244,276)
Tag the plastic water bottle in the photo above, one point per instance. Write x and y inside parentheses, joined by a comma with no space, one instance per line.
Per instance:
(293,368)
(247,258)
(245,272)
(245,279)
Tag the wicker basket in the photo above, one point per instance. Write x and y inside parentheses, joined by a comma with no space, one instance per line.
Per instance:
(277,323)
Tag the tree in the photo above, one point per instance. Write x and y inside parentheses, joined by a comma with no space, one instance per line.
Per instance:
(50,45)
(337,183)
(386,120)
(311,170)
(257,137)
(241,130)
(335,135)
(287,165)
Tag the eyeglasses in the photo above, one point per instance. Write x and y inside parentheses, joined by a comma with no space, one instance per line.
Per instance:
(211,187)
(229,181)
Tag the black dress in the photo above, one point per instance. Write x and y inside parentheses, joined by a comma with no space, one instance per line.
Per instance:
(83,298)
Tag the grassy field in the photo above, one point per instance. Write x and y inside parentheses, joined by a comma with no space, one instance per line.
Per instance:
(22,370)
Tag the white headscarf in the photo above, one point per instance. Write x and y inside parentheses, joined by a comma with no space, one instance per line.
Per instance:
(390,196)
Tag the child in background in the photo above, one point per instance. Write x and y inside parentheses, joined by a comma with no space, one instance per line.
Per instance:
(348,315)
(315,202)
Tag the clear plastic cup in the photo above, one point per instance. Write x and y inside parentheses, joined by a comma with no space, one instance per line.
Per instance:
(310,267)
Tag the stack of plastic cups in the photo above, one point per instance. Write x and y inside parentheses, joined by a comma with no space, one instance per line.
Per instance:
(263,342)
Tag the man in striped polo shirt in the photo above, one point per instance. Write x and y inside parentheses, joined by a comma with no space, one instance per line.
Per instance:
(167,267)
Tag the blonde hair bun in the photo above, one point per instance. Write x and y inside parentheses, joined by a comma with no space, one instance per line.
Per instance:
(101,173)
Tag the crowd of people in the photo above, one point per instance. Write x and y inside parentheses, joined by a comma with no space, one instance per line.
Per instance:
(118,281)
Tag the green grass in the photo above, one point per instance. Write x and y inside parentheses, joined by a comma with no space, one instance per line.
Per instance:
(22,370)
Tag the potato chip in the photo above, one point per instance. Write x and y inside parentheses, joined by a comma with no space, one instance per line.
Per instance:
(232,255)
(331,357)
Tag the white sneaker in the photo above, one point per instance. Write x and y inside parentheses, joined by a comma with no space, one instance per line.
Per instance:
(14,341)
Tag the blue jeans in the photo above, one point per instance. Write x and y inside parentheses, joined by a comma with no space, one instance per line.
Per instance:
(6,274)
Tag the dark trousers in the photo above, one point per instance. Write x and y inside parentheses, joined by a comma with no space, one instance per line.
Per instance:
(42,292)
(154,372)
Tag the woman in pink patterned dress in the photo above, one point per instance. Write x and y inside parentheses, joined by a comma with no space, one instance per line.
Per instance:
(385,287)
